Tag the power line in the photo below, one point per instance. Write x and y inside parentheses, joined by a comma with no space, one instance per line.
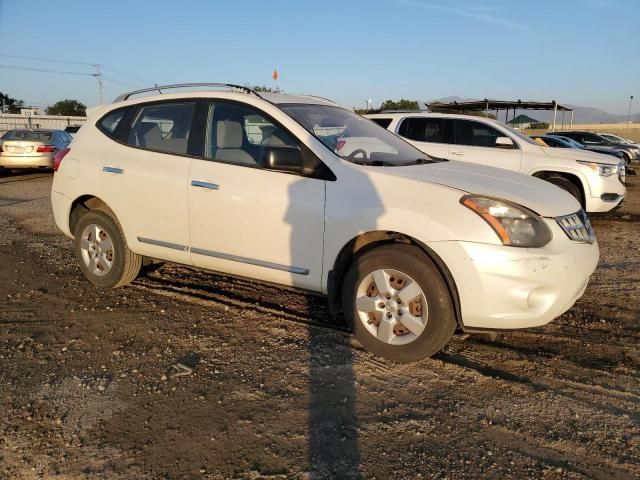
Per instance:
(46,70)
(23,57)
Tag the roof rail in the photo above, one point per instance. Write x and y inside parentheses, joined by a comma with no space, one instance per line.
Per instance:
(159,88)
(322,98)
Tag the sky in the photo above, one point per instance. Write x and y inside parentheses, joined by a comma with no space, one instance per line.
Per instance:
(579,52)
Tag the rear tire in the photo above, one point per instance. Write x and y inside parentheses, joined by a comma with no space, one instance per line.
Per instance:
(568,186)
(432,305)
(102,251)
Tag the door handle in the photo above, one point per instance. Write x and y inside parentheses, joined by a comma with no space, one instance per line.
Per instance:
(112,170)
(207,185)
(457,152)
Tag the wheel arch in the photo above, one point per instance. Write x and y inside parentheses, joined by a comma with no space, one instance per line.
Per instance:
(83,204)
(572,177)
(369,240)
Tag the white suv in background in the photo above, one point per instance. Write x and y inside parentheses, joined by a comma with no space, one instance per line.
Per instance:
(597,181)
(259,185)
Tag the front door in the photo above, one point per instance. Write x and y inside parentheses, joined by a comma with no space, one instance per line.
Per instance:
(244,219)
(476,142)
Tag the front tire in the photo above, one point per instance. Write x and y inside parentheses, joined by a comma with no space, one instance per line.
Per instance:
(568,186)
(398,304)
(102,251)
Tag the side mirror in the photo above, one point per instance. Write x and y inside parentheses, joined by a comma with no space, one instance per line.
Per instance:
(504,142)
(283,159)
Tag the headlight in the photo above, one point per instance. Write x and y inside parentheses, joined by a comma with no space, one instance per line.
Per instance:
(602,169)
(514,224)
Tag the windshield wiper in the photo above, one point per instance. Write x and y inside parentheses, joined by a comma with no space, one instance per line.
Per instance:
(373,163)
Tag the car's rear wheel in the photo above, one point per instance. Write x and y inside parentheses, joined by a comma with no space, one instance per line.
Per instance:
(102,251)
(398,304)
(568,186)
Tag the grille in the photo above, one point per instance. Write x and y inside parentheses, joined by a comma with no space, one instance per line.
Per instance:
(577,227)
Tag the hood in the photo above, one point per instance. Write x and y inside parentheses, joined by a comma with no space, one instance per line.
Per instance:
(577,154)
(537,195)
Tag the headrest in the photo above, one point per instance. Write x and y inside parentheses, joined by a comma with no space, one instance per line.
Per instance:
(229,134)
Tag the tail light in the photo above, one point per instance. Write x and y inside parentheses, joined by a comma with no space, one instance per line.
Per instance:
(340,144)
(58,158)
(45,148)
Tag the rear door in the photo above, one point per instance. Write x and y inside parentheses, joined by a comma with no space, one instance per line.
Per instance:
(144,178)
(431,135)
(476,142)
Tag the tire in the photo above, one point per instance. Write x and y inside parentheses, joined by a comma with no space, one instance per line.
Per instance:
(568,186)
(124,265)
(410,264)
(626,158)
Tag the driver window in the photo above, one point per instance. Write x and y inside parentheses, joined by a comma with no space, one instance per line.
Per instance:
(476,134)
(239,134)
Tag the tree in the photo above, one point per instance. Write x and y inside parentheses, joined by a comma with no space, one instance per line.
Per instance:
(539,126)
(68,108)
(402,104)
(9,104)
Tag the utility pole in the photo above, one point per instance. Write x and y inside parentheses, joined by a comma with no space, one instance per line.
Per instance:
(629,114)
(98,77)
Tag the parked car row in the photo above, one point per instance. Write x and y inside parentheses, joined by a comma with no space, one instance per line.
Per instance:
(25,148)
(596,181)
(408,242)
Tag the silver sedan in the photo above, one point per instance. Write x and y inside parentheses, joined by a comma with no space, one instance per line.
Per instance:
(31,148)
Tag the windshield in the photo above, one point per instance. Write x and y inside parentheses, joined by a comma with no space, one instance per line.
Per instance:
(354,138)
(27,135)
(520,135)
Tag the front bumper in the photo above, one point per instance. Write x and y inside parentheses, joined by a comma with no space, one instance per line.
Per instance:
(605,193)
(23,161)
(508,288)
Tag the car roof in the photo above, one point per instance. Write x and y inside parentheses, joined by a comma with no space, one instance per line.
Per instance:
(396,115)
(237,94)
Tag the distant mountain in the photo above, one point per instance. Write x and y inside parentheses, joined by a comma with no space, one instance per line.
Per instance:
(580,114)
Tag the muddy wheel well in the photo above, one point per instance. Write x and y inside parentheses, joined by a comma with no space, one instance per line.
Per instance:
(546,175)
(83,204)
(367,241)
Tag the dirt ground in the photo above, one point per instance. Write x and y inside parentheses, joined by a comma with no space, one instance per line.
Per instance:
(187,374)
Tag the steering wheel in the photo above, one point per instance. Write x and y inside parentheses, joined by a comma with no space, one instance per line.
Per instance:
(357,151)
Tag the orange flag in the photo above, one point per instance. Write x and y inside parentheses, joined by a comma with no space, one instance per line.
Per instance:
(275,74)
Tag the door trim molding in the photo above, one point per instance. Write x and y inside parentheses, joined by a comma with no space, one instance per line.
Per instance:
(250,261)
(160,243)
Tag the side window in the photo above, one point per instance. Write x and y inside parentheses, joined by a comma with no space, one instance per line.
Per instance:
(591,139)
(163,127)
(383,122)
(239,134)
(432,130)
(111,120)
(476,134)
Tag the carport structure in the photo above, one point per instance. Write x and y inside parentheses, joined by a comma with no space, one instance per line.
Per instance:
(497,106)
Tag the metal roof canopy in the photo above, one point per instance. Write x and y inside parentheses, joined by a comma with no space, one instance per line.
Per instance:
(487,105)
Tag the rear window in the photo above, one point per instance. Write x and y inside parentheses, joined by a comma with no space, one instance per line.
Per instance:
(383,122)
(27,135)
(111,120)
(163,127)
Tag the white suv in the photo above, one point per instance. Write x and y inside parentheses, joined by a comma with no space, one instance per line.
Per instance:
(597,181)
(256,185)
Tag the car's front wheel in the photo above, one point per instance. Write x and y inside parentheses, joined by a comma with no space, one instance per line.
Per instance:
(398,304)
(568,186)
(102,251)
